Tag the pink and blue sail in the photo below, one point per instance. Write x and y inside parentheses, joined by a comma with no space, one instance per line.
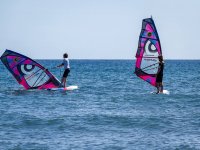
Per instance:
(149,48)
(28,73)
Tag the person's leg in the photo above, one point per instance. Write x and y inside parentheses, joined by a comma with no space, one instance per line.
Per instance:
(64,82)
(65,78)
(161,84)
(161,87)
(157,86)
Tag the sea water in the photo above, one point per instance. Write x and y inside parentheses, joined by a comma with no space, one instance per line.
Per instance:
(112,109)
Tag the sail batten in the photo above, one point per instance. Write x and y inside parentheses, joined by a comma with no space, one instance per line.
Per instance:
(27,72)
(149,48)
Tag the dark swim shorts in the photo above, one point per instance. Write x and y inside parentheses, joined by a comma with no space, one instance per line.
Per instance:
(65,74)
(159,78)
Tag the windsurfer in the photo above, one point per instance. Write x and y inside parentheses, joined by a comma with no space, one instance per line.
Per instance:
(67,69)
(159,76)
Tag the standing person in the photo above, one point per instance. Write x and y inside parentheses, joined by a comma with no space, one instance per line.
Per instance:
(159,76)
(66,69)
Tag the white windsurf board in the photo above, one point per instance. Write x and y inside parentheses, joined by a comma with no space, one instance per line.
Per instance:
(68,88)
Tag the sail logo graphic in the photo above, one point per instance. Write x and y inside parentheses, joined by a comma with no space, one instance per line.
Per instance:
(150,48)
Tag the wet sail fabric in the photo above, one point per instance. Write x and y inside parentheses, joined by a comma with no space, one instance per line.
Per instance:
(28,72)
(149,48)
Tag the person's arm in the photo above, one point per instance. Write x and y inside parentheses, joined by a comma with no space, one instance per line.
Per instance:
(60,65)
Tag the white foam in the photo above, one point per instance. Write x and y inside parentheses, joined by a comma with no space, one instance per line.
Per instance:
(164,92)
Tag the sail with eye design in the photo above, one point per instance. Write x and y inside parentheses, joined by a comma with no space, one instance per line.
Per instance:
(28,72)
(149,48)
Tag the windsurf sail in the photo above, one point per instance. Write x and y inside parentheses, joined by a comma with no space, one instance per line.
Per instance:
(28,72)
(149,48)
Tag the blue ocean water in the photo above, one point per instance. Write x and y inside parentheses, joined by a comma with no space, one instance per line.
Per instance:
(111,110)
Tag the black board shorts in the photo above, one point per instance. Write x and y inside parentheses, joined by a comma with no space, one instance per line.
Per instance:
(65,74)
(159,78)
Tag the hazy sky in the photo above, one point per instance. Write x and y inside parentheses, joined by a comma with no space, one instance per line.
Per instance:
(97,29)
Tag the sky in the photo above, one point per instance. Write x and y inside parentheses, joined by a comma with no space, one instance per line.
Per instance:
(97,29)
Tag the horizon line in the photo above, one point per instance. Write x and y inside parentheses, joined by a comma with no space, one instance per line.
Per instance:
(108,59)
